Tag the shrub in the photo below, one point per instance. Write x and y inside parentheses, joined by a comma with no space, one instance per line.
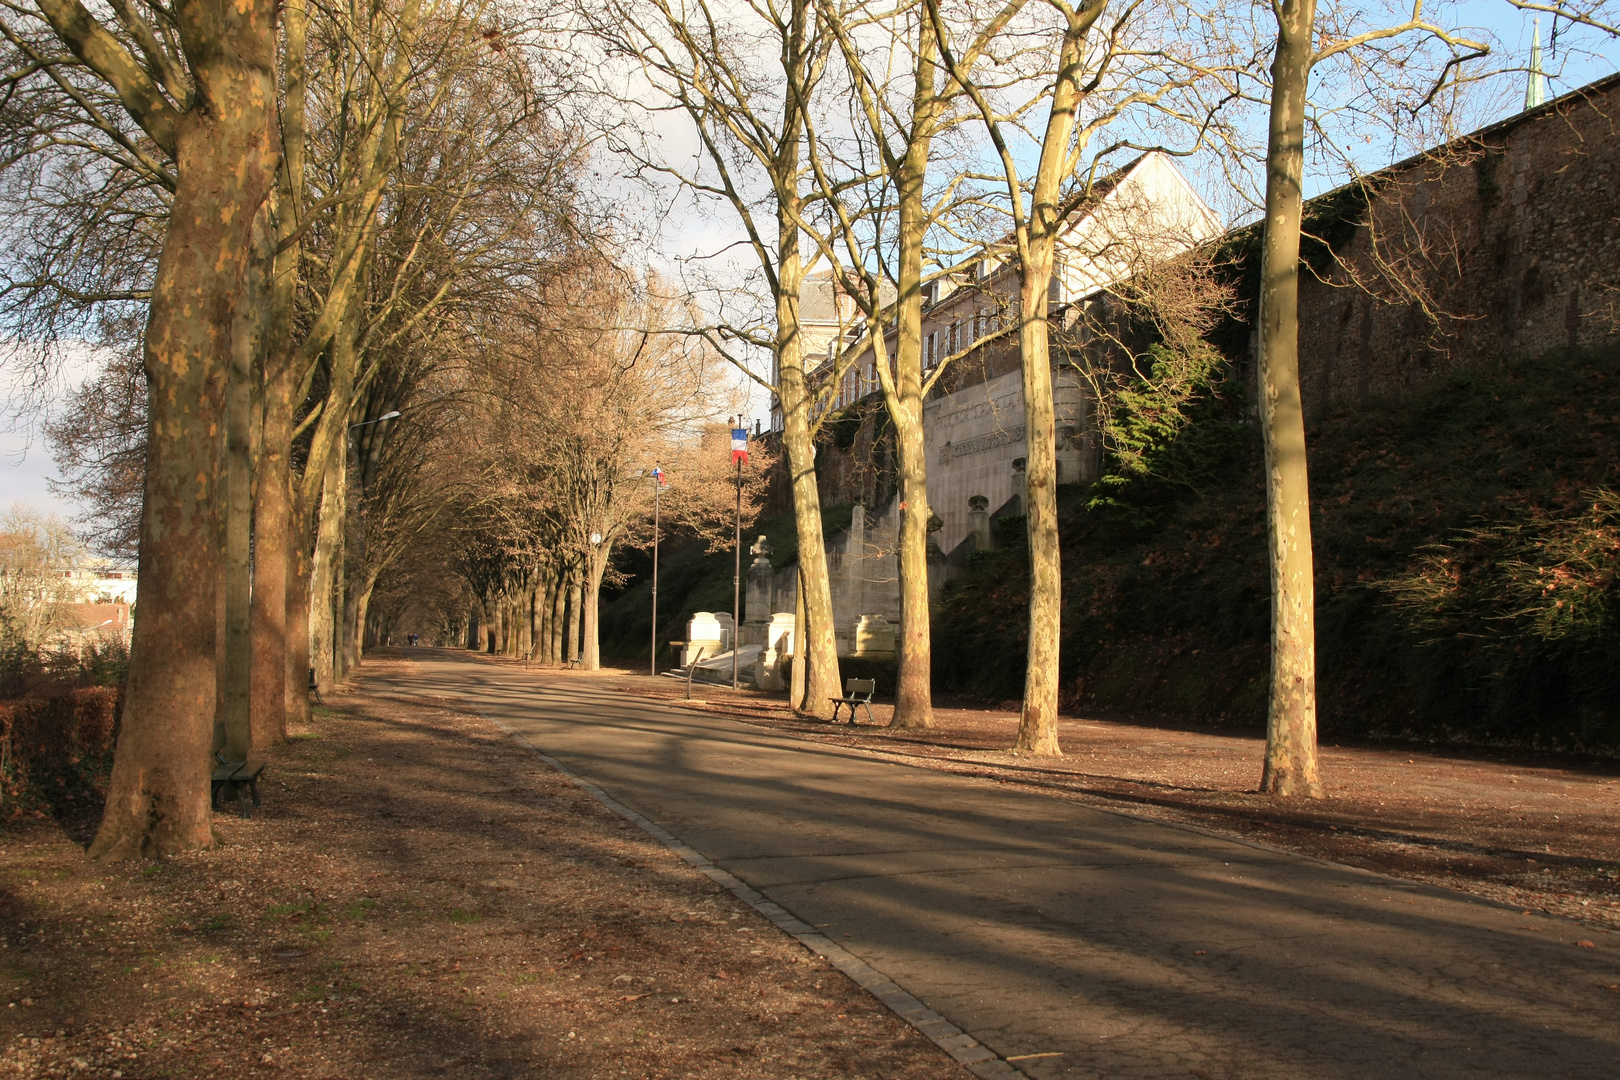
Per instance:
(56,750)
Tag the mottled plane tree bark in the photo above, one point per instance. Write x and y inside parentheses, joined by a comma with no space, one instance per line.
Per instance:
(1291,760)
(1090,57)
(199,80)
(1036,233)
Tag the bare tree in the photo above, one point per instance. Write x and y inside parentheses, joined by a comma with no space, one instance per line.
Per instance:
(903,100)
(1117,64)
(591,404)
(1290,765)
(198,81)
(34,551)
(706,64)
(98,441)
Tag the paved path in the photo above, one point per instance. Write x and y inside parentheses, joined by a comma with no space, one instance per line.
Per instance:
(1122,947)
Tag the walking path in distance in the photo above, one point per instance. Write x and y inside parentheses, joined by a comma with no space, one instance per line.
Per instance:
(1113,946)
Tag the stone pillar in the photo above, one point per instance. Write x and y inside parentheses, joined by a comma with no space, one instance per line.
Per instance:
(758,599)
(728,630)
(780,644)
(874,636)
(1069,401)
(704,631)
(979,522)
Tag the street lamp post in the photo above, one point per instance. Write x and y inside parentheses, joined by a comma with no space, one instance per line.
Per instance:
(658,487)
(739,454)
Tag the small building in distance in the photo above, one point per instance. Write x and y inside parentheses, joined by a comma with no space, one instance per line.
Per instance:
(101,581)
(99,603)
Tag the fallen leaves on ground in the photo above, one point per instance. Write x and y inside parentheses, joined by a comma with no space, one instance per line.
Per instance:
(418,897)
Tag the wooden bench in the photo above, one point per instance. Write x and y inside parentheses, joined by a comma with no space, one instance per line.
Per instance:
(242,777)
(856,692)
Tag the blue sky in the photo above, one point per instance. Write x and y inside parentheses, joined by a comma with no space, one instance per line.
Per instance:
(23,469)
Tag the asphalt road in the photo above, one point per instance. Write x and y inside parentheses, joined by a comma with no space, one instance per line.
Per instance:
(1119,947)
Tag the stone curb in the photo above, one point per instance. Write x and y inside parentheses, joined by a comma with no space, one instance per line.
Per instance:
(966,1050)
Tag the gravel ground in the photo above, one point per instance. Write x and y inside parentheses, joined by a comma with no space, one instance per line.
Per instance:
(418,897)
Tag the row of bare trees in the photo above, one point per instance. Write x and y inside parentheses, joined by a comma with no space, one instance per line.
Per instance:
(591,389)
(896,141)
(351,247)
(304,219)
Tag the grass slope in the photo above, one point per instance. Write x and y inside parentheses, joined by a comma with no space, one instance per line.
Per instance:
(1467,541)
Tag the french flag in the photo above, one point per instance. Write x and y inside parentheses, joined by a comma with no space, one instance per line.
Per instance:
(739,445)
(658,475)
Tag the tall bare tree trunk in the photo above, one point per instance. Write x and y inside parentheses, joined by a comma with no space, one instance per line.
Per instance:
(526,615)
(576,617)
(300,570)
(1037,725)
(1290,767)
(559,616)
(359,605)
(323,578)
(279,678)
(225,155)
(542,616)
(913,699)
(273,553)
(340,564)
(1037,233)
(595,567)
(248,335)
(820,646)
(1042,229)
(354,618)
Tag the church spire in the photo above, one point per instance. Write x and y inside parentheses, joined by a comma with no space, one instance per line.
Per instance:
(1535,91)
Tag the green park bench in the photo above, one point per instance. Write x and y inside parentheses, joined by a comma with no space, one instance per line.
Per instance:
(856,692)
(241,777)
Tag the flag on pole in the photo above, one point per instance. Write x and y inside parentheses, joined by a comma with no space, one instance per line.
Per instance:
(658,475)
(739,445)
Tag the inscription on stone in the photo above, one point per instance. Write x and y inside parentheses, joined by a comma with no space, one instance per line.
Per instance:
(985,442)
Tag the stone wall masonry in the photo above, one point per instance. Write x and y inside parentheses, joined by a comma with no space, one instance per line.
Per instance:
(1502,244)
